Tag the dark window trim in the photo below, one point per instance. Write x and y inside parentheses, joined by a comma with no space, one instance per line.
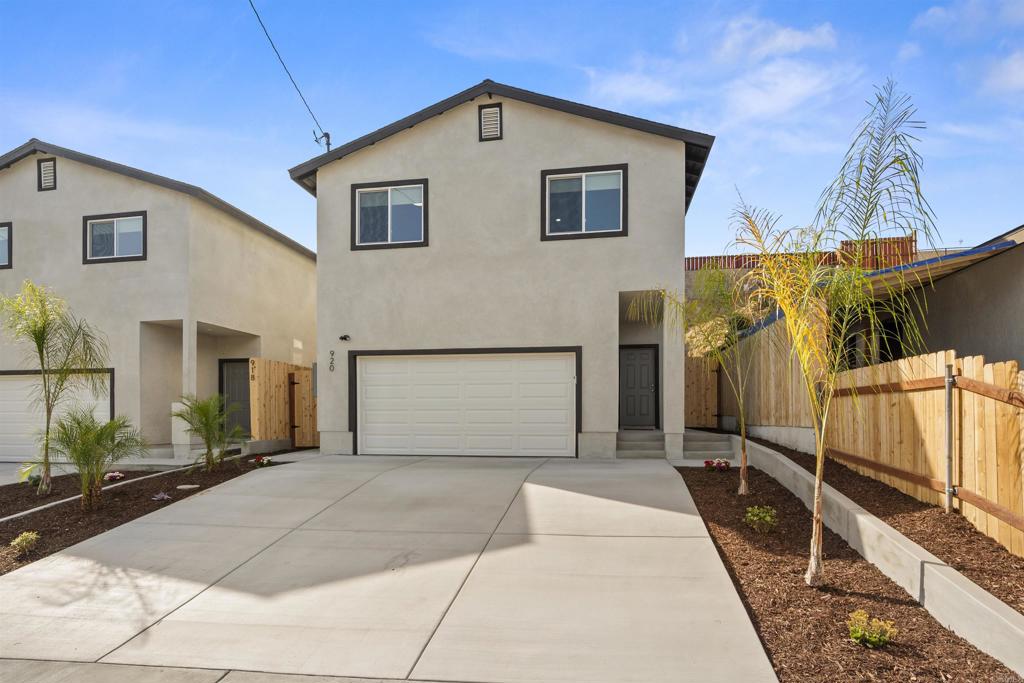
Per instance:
(114,259)
(480,121)
(356,187)
(353,392)
(108,371)
(39,174)
(623,232)
(657,383)
(10,245)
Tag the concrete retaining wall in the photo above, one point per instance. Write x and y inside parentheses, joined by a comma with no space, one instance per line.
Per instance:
(956,602)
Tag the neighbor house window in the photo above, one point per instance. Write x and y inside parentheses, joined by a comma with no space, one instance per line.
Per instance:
(6,240)
(114,237)
(46,174)
(584,202)
(390,214)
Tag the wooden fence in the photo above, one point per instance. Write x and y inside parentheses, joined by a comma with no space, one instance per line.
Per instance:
(888,422)
(701,392)
(281,402)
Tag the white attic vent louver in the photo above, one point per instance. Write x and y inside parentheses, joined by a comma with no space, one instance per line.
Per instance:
(46,171)
(490,122)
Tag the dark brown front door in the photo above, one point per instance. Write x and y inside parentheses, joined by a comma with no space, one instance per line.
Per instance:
(638,387)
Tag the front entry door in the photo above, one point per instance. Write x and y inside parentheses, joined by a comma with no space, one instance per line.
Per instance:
(234,387)
(638,387)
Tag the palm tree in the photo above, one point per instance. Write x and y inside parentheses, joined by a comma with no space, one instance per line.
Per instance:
(67,350)
(826,303)
(93,447)
(208,420)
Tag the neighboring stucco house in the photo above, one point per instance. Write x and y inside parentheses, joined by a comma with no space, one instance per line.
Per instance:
(476,261)
(177,279)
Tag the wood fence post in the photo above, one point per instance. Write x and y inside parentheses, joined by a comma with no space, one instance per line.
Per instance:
(950,490)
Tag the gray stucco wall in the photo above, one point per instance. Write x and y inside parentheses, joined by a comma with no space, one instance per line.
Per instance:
(980,309)
(487,280)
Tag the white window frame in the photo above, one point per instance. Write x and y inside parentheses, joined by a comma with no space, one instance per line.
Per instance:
(390,189)
(116,255)
(583,203)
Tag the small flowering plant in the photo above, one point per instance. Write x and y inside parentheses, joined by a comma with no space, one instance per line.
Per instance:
(113,476)
(262,461)
(719,464)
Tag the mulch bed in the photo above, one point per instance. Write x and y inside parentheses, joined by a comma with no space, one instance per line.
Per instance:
(18,497)
(803,629)
(64,525)
(949,537)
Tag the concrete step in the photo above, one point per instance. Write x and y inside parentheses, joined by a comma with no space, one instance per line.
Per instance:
(640,445)
(706,436)
(641,435)
(640,454)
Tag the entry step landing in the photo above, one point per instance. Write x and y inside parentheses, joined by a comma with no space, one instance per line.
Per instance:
(640,443)
(702,446)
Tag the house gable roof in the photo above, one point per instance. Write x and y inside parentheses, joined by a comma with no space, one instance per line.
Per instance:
(698,145)
(34,146)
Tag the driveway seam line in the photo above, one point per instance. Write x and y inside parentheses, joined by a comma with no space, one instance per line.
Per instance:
(472,567)
(250,558)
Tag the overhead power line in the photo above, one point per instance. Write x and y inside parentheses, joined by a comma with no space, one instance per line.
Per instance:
(324,136)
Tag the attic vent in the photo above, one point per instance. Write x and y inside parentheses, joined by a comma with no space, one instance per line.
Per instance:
(490,122)
(46,171)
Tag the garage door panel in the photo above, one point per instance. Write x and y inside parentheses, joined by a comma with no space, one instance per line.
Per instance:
(21,417)
(487,404)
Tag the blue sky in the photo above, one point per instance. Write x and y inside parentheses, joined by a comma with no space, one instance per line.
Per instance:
(192,91)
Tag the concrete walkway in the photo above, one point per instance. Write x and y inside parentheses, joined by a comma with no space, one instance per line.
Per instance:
(394,568)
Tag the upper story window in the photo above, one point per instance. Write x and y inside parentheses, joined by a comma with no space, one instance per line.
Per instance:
(6,242)
(114,237)
(389,214)
(584,202)
(46,174)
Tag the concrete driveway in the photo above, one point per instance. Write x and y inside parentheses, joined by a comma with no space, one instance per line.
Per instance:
(437,569)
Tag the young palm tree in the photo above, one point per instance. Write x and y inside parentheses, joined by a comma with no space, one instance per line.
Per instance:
(826,303)
(207,419)
(66,349)
(713,319)
(93,447)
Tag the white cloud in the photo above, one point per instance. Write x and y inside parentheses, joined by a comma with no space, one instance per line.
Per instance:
(782,86)
(1007,75)
(971,18)
(753,39)
(632,87)
(908,51)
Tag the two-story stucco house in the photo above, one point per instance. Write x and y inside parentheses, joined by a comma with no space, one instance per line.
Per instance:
(476,261)
(177,279)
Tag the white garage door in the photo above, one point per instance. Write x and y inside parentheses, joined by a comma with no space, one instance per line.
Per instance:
(502,404)
(21,419)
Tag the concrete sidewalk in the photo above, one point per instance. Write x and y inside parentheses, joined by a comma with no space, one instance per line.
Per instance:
(395,568)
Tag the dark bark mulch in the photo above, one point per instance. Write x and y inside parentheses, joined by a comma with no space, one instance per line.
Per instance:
(18,497)
(803,629)
(64,525)
(949,537)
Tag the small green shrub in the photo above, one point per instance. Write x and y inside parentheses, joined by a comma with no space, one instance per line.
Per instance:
(25,542)
(870,631)
(761,518)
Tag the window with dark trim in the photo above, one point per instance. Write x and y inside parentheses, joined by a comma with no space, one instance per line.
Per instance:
(46,174)
(389,214)
(589,201)
(6,245)
(114,237)
(490,121)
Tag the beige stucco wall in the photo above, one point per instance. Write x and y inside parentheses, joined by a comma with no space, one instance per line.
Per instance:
(487,279)
(202,266)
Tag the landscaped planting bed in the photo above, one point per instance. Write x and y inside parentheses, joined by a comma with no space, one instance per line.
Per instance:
(804,629)
(64,525)
(949,537)
(15,498)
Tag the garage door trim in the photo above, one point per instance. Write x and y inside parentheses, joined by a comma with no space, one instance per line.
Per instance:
(107,371)
(353,390)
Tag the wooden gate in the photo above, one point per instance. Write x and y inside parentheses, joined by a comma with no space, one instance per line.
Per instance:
(282,403)
(701,393)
